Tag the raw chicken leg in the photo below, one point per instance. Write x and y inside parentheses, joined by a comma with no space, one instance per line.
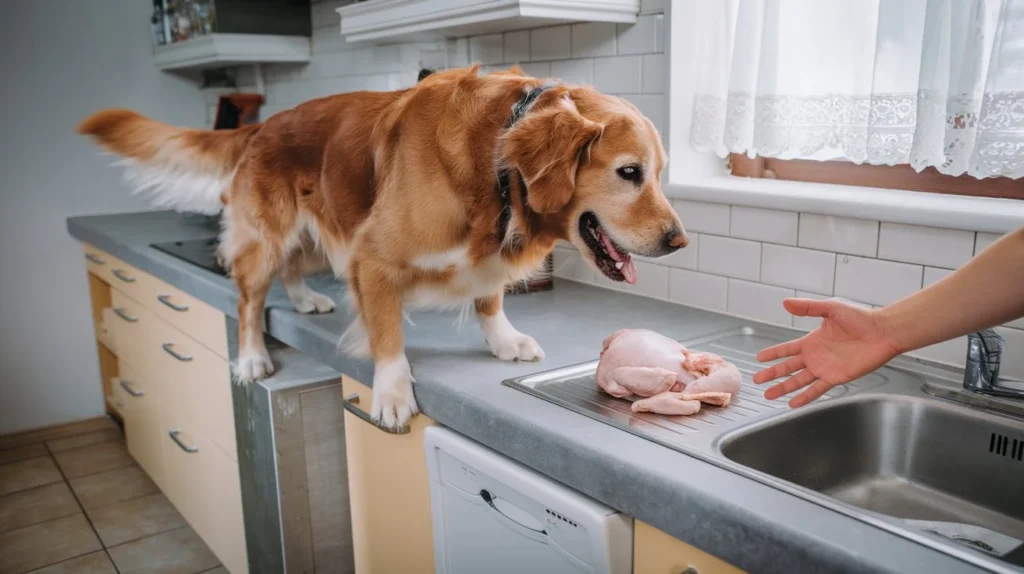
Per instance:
(670,379)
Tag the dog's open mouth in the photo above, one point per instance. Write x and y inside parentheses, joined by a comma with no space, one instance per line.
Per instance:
(614,261)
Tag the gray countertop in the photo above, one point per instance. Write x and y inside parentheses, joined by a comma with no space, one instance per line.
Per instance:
(746,523)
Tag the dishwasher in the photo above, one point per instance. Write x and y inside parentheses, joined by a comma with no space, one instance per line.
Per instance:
(492,514)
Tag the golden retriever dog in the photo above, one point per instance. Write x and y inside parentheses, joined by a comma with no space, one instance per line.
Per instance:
(439,195)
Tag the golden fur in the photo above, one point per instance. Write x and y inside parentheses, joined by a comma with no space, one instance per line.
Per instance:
(397,192)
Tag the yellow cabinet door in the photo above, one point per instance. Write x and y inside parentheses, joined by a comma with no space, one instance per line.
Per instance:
(389,491)
(138,391)
(655,552)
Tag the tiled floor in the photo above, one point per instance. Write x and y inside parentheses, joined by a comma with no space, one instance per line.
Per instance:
(72,500)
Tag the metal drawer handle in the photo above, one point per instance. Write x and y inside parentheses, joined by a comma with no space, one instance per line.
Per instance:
(166,300)
(187,448)
(169,349)
(690,570)
(95,259)
(124,315)
(350,403)
(131,391)
(120,275)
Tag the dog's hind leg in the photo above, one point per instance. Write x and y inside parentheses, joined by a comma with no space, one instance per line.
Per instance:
(254,266)
(302,297)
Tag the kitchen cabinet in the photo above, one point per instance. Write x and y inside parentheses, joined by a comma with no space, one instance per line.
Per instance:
(655,552)
(389,490)
(164,360)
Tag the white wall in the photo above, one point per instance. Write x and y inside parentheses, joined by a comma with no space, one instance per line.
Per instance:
(61,60)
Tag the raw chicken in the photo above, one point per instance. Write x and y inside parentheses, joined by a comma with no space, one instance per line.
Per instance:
(670,379)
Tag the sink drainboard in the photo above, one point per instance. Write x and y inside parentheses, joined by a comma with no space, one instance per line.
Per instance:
(576,389)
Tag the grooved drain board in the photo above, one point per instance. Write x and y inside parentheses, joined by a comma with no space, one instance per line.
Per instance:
(575,389)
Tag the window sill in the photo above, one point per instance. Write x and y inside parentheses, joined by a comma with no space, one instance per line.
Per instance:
(897,206)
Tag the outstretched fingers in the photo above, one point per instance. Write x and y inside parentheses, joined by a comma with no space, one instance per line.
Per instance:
(787,367)
(811,394)
(780,351)
(797,381)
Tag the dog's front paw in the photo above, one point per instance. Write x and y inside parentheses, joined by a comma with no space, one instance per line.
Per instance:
(393,400)
(253,366)
(313,302)
(516,347)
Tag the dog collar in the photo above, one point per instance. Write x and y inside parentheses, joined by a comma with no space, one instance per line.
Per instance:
(519,109)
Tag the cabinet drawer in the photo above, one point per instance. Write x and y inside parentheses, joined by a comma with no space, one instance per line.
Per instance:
(656,552)
(196,387)
(116,273)
(203,484)
(138,392)
(132,326)
(193,317)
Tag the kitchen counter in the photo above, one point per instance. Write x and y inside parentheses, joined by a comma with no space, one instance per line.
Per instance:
(458,384)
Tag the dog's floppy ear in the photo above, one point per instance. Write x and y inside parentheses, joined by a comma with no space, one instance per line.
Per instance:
(546,147)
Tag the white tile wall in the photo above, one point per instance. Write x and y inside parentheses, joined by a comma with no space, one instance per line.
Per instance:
(759,302)
(875,281)
(703,217)
(698,289)
(947,248)
(934,274)
(797,268)
(618,75)
(517,46)
(741,260)
(652,281)
(768,225)
(554,43)
(839,234)
(730,257)
(593,39)
(489,49)
(984,240)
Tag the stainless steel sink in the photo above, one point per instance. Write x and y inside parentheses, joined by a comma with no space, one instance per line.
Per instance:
(884,449)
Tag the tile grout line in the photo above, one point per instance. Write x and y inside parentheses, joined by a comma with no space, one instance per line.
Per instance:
(95,532)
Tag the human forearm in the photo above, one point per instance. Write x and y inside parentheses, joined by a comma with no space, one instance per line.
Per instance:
(987,291)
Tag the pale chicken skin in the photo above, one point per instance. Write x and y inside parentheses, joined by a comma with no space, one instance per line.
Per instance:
(669,378)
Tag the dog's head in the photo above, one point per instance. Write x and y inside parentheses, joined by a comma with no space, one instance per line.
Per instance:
(596,161)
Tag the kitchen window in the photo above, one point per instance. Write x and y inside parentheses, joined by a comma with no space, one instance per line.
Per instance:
(879,96)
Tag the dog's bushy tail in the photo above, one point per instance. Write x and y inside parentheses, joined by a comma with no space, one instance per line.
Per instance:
(183,169)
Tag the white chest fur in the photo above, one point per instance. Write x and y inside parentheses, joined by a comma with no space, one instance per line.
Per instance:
(468,282)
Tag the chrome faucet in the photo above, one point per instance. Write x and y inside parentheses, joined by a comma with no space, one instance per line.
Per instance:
(981,374)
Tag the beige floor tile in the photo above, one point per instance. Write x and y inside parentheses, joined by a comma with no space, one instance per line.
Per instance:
(95,563)
(78,441)
(46,543)
(133,519)
(28,474)
(19,453)
(179,551)
(57,431)
(36,505)
(217,570)
(93,459)
(112,486)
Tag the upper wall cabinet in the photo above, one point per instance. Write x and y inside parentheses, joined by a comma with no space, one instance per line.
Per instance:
(200,34)
(383,20)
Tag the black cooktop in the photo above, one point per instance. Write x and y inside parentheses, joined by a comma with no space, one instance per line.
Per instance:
(198,252)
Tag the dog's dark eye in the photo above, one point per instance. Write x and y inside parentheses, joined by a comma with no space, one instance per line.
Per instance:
(631,173)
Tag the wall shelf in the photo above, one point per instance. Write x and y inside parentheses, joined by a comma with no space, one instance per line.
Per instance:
(219,50)
(383,20)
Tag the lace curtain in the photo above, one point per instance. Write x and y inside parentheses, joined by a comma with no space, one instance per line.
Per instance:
(921,82)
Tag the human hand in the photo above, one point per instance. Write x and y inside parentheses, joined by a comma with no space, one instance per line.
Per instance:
(850,343)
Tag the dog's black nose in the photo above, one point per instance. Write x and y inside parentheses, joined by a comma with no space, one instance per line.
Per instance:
(675,239)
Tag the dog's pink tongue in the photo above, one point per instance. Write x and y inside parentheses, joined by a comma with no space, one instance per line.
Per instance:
(629,270)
